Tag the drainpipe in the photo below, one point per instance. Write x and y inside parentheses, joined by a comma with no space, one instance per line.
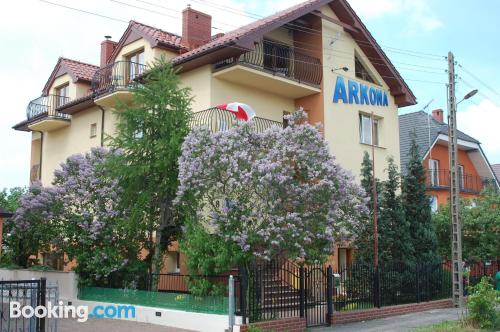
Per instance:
(102,124)
(41,154)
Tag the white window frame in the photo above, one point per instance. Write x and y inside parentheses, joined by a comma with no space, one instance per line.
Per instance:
(461,175)
(434,203)
(434,172)
(365,135)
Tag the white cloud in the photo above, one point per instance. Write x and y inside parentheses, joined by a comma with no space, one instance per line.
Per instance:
(481,122)
(418,12)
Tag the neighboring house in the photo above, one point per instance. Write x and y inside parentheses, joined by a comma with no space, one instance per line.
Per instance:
(431,134)
(275,64)
(496,170)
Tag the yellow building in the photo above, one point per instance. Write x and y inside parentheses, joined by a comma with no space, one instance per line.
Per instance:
(318,55)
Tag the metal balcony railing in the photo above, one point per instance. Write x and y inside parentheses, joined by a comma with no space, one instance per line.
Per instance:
(220,120)
(280,60)
(440,179)
(117,75)
(46,106)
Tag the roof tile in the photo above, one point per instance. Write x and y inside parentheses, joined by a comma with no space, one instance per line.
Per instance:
(81,70)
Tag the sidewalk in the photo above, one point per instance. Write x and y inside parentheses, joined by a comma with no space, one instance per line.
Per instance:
(397,323)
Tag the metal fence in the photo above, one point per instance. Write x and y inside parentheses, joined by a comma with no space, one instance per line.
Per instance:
(117,75)
(280,60)
(32,293)
(46,106)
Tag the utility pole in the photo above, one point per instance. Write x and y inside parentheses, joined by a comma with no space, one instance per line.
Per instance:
(456,240)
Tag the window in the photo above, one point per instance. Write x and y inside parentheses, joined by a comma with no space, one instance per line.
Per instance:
(61,95)
(461,176)
(434,203)
(177,261)
(434,172)
(361,71)
(365,130)
(276,57)
(93,130)
(135,65)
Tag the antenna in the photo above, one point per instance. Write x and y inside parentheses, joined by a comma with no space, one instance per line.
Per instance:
(428,125)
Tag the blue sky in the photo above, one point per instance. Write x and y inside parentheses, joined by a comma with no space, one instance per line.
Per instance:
(39,33)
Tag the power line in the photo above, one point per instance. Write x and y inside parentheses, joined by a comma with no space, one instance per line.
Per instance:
(479,80)
(85,11)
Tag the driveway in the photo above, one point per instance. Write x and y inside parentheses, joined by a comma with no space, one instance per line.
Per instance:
(111,325)
(397,323)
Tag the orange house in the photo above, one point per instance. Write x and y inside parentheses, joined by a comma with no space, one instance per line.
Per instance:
(431,134)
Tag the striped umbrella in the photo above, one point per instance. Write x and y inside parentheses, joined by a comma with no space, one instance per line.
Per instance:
(242,111)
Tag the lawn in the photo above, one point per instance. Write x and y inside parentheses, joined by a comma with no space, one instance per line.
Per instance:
(450,326)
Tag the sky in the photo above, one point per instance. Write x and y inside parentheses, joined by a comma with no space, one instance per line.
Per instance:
(415,34)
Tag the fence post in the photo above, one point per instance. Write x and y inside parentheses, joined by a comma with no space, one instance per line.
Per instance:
(329,294)
(42,302)
(243,294)
(376,287)
(302,291)
(231,303)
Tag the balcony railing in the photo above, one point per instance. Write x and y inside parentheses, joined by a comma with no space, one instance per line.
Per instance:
(117,75)
(220,120)
(440,179)
(46,106)
(280,60)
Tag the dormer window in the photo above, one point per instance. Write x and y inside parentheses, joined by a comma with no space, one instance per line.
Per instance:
(361,71)
(61,94)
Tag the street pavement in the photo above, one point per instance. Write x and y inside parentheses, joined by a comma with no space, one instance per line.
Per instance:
(397,323)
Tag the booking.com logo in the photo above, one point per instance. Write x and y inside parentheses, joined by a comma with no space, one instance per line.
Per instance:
(81,313)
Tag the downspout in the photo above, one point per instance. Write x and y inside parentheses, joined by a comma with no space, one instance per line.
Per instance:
(102,124)
(41,154)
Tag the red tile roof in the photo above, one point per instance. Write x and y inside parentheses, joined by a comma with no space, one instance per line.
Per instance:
(158,35)
(81,70)
(77,70)
(288,14)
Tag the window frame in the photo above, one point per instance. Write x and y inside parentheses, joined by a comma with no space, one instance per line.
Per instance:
(135,62)
(61,97)
(361,72)
(93,130)
(434,172)
(372,126)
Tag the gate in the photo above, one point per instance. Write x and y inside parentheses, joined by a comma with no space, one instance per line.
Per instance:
(318,299)
(31,293)
(282,289)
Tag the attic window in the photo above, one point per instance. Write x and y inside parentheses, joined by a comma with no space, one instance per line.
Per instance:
(361,71)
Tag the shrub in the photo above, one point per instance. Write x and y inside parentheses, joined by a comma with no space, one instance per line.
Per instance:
(481,304)
(40,268)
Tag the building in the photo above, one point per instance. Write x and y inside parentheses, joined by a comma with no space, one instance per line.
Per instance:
(431,133)
(317,54)
(496,170)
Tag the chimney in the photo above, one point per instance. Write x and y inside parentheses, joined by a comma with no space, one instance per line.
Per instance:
(196,28)
(107,47)
(438,115)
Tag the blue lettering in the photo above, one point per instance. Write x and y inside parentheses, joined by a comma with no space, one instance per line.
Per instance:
(353,92)
(110,311)
(96,309)
(363,94)
(373,96)
(379,97)
(386,102)
(340,92)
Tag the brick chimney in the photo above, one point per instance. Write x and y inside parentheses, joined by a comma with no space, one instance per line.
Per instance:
(196,28)
(438,115)
(107,47)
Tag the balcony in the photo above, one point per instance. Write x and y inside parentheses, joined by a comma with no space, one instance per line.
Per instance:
(220,120)
(439,179)
(115,80)
(273,67)
(42,114)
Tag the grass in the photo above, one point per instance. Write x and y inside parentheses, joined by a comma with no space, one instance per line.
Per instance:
(450,326)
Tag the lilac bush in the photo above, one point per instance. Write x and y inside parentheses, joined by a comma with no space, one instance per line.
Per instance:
(279,192)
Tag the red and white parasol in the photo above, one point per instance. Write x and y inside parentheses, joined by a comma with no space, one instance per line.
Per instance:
(242,111)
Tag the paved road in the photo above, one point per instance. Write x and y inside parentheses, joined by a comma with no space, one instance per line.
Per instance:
(397,323)
(111,325)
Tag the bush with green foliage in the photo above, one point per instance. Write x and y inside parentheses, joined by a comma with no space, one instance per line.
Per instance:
(482,304)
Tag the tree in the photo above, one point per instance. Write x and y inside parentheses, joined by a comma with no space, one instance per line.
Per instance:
(364,232)
(10,199)
(395,243)
(417,208)
(272,194)
(480,220)
(150,133)
(30,229)
(91,225)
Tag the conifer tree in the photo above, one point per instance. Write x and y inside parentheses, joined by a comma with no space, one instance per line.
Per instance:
(150,132)
(394,231)
(417,208)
